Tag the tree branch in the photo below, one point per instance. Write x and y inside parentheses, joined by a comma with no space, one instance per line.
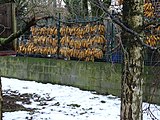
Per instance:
(3,27)
(101,5)
(13,36)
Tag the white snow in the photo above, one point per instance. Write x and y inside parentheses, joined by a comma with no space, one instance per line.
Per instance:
(68,103)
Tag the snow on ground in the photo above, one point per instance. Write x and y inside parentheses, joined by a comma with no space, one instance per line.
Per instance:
(65,103)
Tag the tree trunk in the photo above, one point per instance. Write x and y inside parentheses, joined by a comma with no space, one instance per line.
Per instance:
(131,101)
(1,100)
(14,24)
(85,7)
(131,94)
(95,10)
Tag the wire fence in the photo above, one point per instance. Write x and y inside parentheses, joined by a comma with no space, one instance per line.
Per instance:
(88,39)
(82,40)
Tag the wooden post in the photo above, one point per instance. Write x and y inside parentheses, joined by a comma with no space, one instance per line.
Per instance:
(14,24)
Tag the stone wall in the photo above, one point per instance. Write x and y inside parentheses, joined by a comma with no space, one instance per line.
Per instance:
(104,78)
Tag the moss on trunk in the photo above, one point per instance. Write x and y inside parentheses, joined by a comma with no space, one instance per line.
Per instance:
(131,95)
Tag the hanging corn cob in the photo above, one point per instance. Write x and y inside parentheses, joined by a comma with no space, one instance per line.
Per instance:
(152,40)
(148,10)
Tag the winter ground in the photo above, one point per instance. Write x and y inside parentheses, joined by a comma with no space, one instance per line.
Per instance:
(56,102)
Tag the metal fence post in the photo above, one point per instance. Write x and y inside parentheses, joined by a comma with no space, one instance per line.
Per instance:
(58,34)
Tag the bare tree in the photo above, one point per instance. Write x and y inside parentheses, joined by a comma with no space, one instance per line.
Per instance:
(133,63)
